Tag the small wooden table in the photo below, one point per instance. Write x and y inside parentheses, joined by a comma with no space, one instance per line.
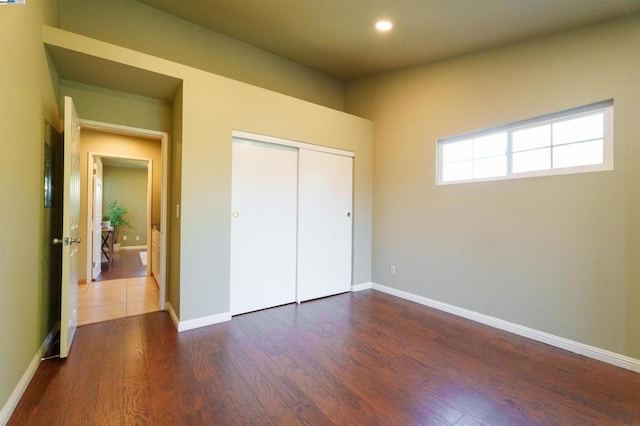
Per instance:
(107,244)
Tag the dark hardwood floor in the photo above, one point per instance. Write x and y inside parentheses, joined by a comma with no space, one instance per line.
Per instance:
(125,264)
(365,358)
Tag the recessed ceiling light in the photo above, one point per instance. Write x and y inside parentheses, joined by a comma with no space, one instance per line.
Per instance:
(384,25)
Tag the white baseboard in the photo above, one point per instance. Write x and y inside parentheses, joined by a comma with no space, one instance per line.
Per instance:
(197,322)
(603,355)
(132,247)
(18,391)
(360,287)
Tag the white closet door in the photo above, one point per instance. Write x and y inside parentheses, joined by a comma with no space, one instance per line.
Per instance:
(325,185)
(263,226)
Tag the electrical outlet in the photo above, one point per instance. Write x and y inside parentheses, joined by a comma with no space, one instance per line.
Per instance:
(137,238)
(393,269)
(124,238)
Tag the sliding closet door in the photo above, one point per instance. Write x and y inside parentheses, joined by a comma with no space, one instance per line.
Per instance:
(263,226)
(324,224)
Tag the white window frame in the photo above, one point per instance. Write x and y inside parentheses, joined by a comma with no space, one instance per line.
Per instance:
(605,107)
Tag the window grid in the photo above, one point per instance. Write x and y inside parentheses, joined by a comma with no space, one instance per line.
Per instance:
(605,109)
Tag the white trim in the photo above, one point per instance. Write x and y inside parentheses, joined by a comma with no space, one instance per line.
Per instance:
(288,142)
(360,287)
(118,128)
(164,197)
(203,321)
(608,138)
(18,391)
(164,215)
(149,208)
(599,354)
(197,322)
(91,183)
(132,247)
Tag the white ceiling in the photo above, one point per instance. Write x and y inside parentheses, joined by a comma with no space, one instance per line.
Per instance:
(337,36)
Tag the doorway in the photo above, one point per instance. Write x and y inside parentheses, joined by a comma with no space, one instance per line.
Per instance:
(126,166)
(119,209)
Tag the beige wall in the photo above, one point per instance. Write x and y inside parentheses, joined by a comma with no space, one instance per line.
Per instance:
(145,29)
(122,146)
(206,176)
(212,107)
(27,100)
(110,106)
(129,187)
(560,254)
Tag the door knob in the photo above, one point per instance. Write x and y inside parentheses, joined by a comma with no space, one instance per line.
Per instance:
(66,241)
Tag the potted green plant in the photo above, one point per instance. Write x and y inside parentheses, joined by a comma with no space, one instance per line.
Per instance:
(116,216)
(106,223)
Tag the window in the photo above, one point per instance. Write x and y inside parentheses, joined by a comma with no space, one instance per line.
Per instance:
(574,141)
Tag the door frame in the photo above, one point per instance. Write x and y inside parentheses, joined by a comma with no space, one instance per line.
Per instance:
(163,137)
(255,137)
(91,204)
(90,159)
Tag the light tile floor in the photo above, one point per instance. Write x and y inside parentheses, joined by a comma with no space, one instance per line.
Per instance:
(107,300)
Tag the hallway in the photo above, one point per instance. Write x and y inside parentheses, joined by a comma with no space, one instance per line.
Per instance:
(125,264)
(107,300)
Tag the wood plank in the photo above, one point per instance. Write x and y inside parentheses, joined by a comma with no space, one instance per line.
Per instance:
(80,403)
(367,357)
(110,401)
